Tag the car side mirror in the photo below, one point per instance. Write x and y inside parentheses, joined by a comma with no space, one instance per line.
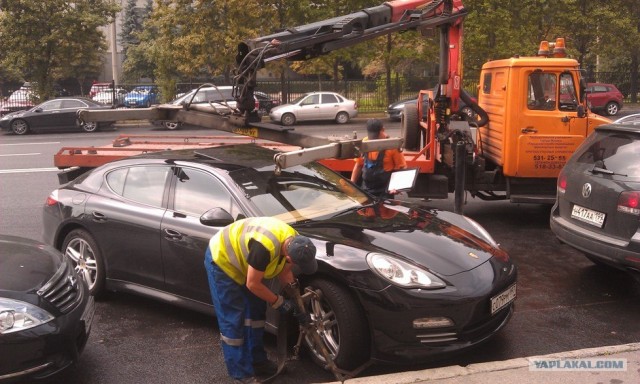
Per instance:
(37,110)
(216,217)
(581,111)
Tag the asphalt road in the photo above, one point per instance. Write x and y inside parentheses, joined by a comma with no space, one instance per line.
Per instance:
(564,301)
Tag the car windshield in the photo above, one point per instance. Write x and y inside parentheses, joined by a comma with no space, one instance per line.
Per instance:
(299,99)
(299,193)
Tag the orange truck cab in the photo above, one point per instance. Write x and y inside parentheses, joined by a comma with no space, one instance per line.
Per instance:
(534,116)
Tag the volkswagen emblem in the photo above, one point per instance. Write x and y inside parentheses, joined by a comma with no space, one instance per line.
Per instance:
(73,282)
(586,190)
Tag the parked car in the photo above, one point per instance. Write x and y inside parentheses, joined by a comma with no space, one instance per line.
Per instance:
(633,119)
(395,281)
(98,87)
(395,110)
(217,99)
(316,106)
(46,311)
(19,100)
(597,210)
(107,97)
(142,96)
(604,98)
(53,114)
(266,102)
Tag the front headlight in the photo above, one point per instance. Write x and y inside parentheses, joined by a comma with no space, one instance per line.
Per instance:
(18,316)
(403,274)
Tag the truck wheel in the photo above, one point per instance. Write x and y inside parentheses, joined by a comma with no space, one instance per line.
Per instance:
(83,252)
(612,108)
(288,119)
(342,118)
(410,129)
(20,127)
(342,326)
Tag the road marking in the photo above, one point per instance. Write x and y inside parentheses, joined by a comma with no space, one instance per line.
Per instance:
(23,154)
(29,170)
(43,143)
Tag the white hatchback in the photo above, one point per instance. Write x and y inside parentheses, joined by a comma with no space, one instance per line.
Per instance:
(316,106)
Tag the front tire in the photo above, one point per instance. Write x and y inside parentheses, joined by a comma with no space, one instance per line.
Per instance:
(172,125)
(342,118)
(81,248)
(90,126)
(612,108)
(19,127)
(288,119)
(341,324)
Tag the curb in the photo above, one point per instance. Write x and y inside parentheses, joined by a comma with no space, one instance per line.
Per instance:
(456,371)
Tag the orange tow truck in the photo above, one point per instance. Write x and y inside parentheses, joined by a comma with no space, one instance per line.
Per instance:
(532,111)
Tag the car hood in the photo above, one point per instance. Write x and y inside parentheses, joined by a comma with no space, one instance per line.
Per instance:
(23,264)
(411,232)
(281,107)
(137,96)
(14,114)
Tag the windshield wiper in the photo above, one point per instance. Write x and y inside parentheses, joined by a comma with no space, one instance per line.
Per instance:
(599,167)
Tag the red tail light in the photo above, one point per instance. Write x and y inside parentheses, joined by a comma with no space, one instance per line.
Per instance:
(629,202)
(52,199)
(562,183)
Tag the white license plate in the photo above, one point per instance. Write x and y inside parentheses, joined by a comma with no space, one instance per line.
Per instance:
(88,314)
(587,215)
(503,298)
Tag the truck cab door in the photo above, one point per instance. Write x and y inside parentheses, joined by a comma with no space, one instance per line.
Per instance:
(548,130)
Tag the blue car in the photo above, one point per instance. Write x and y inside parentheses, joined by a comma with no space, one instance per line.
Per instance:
(142,96)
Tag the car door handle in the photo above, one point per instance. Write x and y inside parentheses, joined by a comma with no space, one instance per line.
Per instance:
(529,130)
(171,234)
(99,217)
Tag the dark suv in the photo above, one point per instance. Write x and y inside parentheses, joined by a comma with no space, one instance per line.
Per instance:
(604,98)
(597,209)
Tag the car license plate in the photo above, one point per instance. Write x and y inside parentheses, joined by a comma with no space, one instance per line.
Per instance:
(87,315)
(502,299)
(587,215)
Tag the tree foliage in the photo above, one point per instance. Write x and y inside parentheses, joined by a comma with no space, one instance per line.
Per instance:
(58,39)
(191,39)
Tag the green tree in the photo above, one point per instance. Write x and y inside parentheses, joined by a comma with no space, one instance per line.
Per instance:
(131,26)
(58,39)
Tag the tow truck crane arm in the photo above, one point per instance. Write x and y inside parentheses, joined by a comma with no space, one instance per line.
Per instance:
(306,42)
(319,38)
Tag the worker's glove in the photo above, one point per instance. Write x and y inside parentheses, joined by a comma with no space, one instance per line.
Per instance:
(283,305)
(303,317)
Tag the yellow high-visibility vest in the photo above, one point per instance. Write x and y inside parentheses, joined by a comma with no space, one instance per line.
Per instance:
(230,246)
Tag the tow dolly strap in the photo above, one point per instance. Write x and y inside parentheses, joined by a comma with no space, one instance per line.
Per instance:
(281,348)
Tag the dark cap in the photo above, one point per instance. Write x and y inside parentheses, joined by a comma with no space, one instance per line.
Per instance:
(374,126)
(303,254)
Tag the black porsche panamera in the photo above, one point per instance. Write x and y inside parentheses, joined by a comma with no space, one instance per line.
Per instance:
(398,282)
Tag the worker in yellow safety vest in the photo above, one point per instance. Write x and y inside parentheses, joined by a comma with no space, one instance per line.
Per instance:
(237,260)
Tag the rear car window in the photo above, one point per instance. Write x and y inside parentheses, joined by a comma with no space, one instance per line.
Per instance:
(619,152)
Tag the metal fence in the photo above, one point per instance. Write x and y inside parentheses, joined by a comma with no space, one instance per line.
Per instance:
(371,95)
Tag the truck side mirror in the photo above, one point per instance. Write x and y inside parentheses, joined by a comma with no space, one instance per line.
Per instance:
(581,111)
